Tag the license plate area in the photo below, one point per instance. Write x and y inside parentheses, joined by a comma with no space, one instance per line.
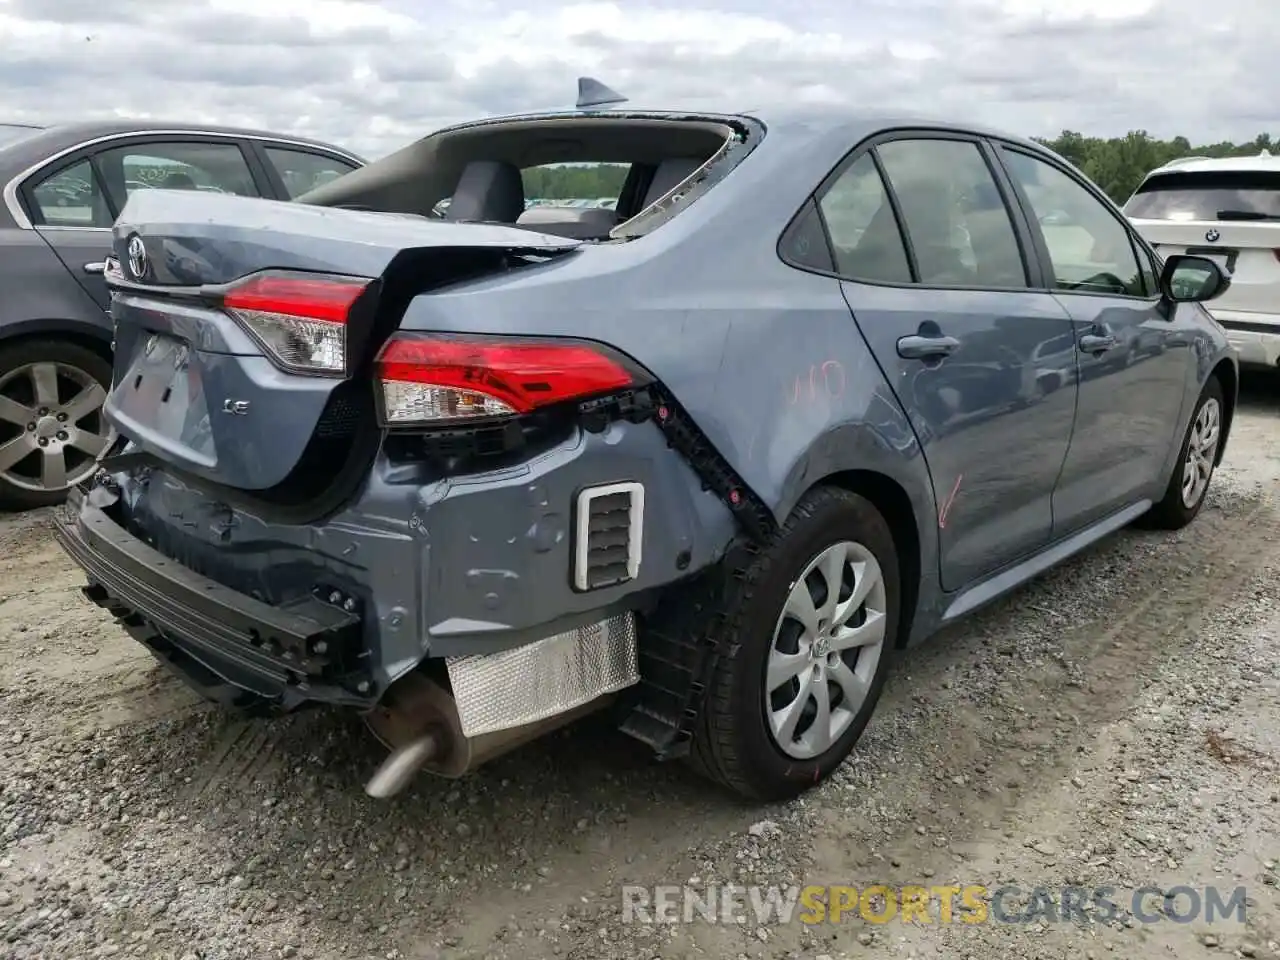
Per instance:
(1222,256)
(162,392)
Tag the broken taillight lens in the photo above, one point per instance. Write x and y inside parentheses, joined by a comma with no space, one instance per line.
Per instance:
(299,318)
(446,379)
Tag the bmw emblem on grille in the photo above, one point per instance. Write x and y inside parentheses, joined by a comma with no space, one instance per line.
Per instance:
(137,257)
(1212,235)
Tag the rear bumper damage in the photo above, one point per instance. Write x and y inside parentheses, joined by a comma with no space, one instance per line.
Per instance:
(225,643)
(448,613)
(236,649)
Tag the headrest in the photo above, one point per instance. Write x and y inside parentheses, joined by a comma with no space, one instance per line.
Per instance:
(985,197)
(670,174)
(488,190)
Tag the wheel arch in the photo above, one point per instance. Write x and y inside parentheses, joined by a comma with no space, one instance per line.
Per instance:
(893,502)
(87,335)
(1229,377)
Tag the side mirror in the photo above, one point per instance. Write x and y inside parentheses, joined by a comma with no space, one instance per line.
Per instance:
(1190,279)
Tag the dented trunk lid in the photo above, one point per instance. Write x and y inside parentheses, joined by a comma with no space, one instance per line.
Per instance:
(196,387)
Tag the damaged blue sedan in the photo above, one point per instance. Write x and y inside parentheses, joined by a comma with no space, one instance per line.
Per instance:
(813,387)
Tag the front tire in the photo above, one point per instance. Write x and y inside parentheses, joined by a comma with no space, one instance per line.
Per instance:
(1189,484)
(808,635)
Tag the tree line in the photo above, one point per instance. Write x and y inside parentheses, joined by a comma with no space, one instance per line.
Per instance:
(1116,164)
(580,181)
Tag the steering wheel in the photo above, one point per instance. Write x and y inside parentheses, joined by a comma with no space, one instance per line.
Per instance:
(1101,280)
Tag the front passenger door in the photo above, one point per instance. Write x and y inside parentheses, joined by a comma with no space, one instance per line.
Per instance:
(1132,362)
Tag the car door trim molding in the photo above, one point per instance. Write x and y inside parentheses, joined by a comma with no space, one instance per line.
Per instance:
(23,222)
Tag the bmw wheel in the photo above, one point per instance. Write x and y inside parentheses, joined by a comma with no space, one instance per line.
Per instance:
(809,635)
(52,428)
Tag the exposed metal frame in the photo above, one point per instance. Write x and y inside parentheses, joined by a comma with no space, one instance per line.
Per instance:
(23,222)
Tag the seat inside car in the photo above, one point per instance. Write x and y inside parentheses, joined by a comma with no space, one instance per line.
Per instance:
(491,191)
(669,174)
(578,223)
(594,223)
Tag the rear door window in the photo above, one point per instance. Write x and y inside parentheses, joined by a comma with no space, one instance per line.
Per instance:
(302,170)
(956,220)
(205,166)
(864,233)
(1208,195)
(71,197)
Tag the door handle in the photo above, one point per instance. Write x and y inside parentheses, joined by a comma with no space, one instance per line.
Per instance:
(1097,343)
(97,266)
(917,347)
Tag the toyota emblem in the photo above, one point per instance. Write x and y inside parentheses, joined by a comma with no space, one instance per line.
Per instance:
(1212,235)
(137,258)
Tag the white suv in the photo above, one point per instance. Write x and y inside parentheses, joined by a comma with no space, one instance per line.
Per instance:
(1229,209)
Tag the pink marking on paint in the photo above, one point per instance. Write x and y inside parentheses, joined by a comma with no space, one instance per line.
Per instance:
(946,507)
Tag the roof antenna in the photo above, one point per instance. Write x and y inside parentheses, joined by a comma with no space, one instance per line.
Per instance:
(593,93)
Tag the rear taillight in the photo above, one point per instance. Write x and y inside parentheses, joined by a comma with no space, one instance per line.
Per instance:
(449,380)
(299,318)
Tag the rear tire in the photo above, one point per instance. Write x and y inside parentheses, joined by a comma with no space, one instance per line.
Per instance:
(1189,484)
(51,395)
(760,732)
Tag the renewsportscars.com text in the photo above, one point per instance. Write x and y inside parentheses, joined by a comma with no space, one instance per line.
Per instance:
(970,904)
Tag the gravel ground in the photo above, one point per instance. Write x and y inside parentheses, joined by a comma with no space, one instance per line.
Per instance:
(1116,723)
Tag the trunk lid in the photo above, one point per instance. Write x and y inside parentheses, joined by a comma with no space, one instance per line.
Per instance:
(217,391)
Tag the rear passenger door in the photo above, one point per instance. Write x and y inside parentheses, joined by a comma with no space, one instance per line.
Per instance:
(1133,361)
(70,209)
(938,272)
(74,203)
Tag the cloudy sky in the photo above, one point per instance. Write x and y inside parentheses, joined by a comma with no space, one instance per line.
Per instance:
(375,74)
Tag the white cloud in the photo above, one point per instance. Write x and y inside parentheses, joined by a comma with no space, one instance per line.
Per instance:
(374,74)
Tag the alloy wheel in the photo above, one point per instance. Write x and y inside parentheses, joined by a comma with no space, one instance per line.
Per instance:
(825,648)
(1202,447)
(51,426)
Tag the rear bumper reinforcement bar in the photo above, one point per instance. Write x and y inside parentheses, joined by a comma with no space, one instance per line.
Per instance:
(274,652)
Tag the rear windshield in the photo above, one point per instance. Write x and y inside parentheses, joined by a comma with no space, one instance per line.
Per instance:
(1216,195)
(13,132)
(588,177)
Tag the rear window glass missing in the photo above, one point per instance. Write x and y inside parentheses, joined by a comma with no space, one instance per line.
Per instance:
(1215,195)
(576,185)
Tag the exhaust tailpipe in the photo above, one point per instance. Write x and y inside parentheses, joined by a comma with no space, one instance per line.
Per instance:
(418,722)
(399,768)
